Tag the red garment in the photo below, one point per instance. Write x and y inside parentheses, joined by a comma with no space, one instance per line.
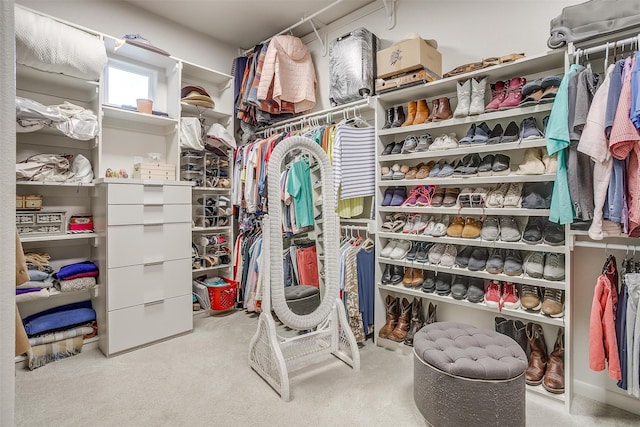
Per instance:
(603,346)
(307,261)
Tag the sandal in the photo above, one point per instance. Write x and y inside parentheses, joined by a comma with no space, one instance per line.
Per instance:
(387,173)
(438,197)
(411,173)
(424,170)
(450,197)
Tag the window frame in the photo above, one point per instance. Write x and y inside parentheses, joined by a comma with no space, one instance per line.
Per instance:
(150,73)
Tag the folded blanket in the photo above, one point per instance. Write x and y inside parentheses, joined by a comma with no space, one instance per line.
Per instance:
(79,275)
(40,355)
(30,296)
(60,317)
(27,290)
(75,284)
(36,284)
(38,275)
(79,331)
(76,268)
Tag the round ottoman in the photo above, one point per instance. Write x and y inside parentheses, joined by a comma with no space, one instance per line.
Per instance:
(465,376)
(302,299)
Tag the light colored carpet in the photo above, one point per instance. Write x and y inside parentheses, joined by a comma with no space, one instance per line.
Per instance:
(203,378)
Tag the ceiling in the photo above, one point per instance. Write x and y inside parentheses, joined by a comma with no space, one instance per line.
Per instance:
(244,23)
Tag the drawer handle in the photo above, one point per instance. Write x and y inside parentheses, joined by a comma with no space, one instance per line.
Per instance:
(153,223)
(153,203)
(150,303)
(153,263)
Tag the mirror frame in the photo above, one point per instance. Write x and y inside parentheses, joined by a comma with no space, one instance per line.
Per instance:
(330,235)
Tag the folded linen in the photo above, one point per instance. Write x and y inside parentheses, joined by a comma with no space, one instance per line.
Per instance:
(79,331)
(76,268)
(40,355)
(60,317)
(75,284)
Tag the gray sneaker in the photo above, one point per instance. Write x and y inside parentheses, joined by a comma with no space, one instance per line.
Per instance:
(509,229)
(459,287)
(478,259)
(534,265)
(553,234)
(495,263)
(475,292)
(462,259)
(554,267)
(534,230)
(429,282)
(443,284)
(512,263)
(490,229)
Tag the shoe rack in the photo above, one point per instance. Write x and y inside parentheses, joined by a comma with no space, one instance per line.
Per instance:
(455,309)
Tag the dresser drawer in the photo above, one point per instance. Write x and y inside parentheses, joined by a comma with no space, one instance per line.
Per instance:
(148,214)
(142,324)
(140,284)
(148,194)
(144,244)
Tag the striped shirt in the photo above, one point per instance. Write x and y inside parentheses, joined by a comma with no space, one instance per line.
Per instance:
(354,162)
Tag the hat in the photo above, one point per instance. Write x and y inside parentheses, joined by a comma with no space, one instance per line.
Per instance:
(218,132)
(196,95)
(414,35)
(138,40)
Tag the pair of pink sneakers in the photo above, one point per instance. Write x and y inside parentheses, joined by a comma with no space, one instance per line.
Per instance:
(501,295)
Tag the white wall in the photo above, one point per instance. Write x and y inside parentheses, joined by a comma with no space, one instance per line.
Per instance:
(117,18)
(466,30)
(7,208)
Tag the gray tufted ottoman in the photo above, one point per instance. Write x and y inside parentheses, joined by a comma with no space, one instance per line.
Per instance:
(302,299)
(465,376)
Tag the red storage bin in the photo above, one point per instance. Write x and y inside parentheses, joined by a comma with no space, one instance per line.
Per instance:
(223,297)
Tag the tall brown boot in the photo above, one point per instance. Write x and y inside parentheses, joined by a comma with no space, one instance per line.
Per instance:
(444,110)
(431,314)
(538,359)
(404,320)
(434,110)
(411,113)
(417,321)
(422,112)
(553,380)
(392,317)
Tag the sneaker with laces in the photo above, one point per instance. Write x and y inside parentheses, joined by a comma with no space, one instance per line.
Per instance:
(492,294)
(495,263)
(530,298)
(409,145)
(533,232)
(512,263)
(448,256)
(553,234)
(475,290)
(513,198)
(412,200)
(436,252)
(509,297)
(552,303)
(424,141)
(554,267)
(534,265)
(441,227)
(431,225)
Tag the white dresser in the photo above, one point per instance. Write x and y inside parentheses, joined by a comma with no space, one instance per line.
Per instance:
(145,254)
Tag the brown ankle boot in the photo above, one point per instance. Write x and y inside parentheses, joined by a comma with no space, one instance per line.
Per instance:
(553,380)
(431,314)
(417,321)
(434,110)
(400,331)
(411,113)
(538,359)
(407,280)
(418,277)
(392,317)
(422,112)
(444,110)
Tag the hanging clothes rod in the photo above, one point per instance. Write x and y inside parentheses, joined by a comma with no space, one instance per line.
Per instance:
(605,246)
(323,114)
(605,47)
(300,22)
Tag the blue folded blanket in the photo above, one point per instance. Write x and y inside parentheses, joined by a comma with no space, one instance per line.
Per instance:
(76,268)
(60,317)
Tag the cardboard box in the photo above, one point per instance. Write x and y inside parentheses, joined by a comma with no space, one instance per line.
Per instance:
(408,55)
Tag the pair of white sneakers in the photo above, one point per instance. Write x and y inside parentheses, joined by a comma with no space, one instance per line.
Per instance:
(396,249)
(426,225)
(444,142)
(443,254)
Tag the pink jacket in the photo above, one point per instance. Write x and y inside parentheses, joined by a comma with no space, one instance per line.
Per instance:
(602,332)
(289,69)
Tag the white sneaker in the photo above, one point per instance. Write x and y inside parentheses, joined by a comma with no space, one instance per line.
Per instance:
(437,144)
(431,225)
(449,256)
(401,249)
(436,252)
(386,251)
(449,141)
(441,226)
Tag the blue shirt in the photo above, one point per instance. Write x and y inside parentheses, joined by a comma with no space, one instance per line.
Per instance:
(558,141)
(615,87)
(634,114)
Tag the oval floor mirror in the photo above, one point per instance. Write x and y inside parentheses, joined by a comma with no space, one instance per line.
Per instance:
(314,309)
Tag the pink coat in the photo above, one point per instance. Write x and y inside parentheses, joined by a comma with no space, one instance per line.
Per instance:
(602,332)
(289,69)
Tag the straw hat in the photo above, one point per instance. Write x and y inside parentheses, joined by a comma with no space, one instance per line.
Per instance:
(196,95)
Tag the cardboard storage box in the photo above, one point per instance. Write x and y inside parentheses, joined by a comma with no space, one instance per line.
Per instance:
(155,171)
(408,55)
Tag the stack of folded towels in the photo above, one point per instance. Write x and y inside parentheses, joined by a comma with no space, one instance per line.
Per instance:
(40,277)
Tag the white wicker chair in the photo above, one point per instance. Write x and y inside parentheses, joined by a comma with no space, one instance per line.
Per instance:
(273,356)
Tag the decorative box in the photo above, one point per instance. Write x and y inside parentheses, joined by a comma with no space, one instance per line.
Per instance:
(155,171)
(80,224)
(32,202)
(40,223)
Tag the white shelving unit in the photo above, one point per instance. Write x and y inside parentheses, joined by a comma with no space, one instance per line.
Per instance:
(532,67)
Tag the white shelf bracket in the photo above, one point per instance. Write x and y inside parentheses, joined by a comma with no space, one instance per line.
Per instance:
(321,40)
(390,7)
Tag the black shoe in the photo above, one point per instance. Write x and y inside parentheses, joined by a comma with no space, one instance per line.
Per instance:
(443,284)
(511,133)
(388,118)
(486,164)
(471,167)
(386,276)
(496,134)
(429,282)
(459,287)
(553,234)
(399,117)
(397,273)
(388,149)
(534,231)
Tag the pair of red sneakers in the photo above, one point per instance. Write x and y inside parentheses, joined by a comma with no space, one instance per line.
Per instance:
(502,294)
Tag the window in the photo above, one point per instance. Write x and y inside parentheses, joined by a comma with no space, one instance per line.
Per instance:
(127,82)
